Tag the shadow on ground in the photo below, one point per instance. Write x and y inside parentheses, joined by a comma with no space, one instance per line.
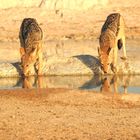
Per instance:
(90,61)
(94,82)
(18,67)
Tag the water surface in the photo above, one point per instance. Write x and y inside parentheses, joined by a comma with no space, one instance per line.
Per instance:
(121,84)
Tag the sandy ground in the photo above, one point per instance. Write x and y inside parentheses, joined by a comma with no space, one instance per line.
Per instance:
(63,114)
(74,24)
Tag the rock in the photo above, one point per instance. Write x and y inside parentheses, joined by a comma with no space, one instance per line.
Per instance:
(76,65)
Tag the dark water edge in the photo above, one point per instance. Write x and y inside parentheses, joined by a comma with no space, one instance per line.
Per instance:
(119,84)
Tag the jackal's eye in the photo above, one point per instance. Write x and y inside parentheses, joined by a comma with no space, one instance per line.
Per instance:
(27,65)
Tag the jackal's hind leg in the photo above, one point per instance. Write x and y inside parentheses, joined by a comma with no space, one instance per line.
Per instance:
(124,48)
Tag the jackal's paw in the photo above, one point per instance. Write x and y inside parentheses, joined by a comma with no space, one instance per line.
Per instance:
(123,58)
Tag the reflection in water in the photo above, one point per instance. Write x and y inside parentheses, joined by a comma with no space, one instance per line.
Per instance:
(32,81)
(106,85)
(7,83)
(114,84)
(93,83)
(111,84)
(72,82)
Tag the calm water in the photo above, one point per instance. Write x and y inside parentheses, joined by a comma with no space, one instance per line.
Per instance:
(121,84)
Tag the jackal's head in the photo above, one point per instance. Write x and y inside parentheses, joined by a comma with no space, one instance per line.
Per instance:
(104,57)
(27,61)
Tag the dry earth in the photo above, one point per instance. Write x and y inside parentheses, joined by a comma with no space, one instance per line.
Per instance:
(74,24)
(61,114)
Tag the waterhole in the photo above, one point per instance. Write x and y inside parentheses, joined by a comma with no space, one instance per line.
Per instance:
(119,84)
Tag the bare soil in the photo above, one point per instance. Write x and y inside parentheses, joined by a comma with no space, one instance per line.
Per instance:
(73,24)
(55,114)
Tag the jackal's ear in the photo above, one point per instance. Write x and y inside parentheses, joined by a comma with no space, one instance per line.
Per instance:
(22,51)
(108,51)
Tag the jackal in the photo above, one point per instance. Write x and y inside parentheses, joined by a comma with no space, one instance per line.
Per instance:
(30,36)
(111,39)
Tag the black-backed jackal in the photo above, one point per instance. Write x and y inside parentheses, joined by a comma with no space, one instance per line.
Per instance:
(111,39)
(30,36)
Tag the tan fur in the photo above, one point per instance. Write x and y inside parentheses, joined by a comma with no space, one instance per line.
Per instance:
(111,39)
(31,46)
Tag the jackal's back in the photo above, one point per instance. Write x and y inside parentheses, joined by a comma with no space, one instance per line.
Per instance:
(112,23)
(30,34)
